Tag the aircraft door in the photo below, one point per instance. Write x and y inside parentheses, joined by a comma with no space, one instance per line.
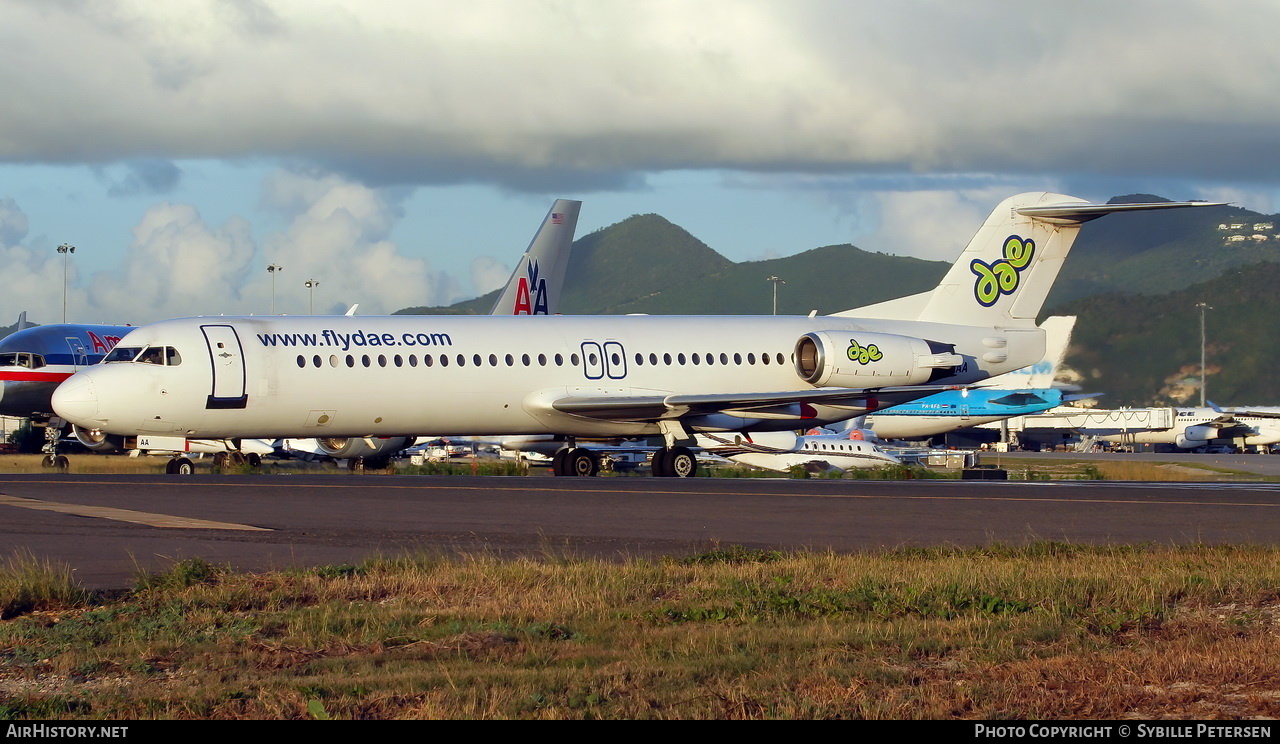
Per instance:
(79,352)
(227,359)
(964,411)
(592,360)
(615,360)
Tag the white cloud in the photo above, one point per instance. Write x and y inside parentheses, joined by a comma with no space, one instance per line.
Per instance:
(488,274)
(179,265)
(530,94)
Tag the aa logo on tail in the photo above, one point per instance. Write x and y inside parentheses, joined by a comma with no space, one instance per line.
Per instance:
(531,293)
(1001,277)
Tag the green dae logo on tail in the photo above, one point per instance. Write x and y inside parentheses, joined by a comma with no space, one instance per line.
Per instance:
(1001,277)
(864,354)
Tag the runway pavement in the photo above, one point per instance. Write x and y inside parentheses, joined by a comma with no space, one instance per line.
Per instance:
(109,527)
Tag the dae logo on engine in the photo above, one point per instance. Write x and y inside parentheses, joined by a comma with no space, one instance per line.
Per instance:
(1001,276)
(864,354)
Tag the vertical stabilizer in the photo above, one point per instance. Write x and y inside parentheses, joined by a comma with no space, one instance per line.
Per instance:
(536,283)
(1008,268)
(23,323)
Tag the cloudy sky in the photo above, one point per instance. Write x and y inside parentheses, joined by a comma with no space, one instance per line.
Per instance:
(401,152)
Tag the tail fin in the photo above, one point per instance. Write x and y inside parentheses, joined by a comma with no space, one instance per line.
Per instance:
(534,287)
(1057,332)
(23,323)
(1009,266)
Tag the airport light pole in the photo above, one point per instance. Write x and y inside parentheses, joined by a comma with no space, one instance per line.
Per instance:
(1203,307)
(65,249)
(272,270)
(311,285)
(776,281)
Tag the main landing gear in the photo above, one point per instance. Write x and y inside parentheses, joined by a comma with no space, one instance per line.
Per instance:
(668,462)
(575,461)
(223,460)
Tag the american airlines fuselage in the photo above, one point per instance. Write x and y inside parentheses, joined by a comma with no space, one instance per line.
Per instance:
(579,376)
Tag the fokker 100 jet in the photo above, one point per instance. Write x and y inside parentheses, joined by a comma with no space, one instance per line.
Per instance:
(593,376)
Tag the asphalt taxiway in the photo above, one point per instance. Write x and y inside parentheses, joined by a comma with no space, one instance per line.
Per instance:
(107,528)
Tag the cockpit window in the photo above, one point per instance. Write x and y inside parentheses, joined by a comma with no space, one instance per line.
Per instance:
(21,359)
(162,355)
(121,354)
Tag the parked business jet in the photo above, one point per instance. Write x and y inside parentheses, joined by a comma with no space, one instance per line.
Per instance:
(783,450)
(584,376)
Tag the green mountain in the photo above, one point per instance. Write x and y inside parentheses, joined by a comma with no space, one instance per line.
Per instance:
(1163,251)
(1145,349)
(645,264)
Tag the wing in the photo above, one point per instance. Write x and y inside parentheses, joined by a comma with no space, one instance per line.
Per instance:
(797,404)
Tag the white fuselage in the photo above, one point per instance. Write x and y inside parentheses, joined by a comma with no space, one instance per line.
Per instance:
(405,375)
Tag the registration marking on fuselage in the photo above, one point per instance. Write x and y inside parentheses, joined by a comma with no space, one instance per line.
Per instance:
(125,515)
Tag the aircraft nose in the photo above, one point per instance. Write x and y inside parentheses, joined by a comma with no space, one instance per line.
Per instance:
(76,400)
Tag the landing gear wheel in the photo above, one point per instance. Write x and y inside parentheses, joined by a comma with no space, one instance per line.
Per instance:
(220,461)
(583,463)
(180,466)
(254,460)
(356,464)
(47,461)
(235,459)
(661,463)
(61,463)
(557,462)
(681,463)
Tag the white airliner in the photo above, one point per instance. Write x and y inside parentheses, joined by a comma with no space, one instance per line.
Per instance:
(1185,428)
(592,376)
(1025,391)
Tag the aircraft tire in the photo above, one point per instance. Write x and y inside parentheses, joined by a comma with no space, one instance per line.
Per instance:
(254,460)
(356,465)
(661,463)
(681,463)
(583,463)
(558,460)
(220,460)
(180,466)
(47,461)
(60,462)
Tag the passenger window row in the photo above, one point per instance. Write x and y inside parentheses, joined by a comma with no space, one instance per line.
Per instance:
(526,360)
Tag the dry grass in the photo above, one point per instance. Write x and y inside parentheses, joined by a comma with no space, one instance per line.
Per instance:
(1046,631)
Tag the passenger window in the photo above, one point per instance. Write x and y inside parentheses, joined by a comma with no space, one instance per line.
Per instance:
(559,360)
(316,360)
(666,359)
(462,361)
(364,359)
(524,359)
(493,360)
(510,361)
(382,360)
(413,360)
(695,358)
(351,361)
(475,359)
(542,360)
(302,361)
(724,358)
(399,360)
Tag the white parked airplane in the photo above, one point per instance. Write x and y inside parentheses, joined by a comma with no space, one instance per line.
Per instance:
(783,450)
(592,376)
(1185,428)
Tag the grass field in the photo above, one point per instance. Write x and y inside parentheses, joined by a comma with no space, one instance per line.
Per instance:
(1046,631)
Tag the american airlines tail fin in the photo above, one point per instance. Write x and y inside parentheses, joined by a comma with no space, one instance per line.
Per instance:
(534,287)
(1057,333)
(1009,266)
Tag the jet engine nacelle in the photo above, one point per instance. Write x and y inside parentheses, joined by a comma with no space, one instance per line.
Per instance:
(1195,436)
(98,440)
(343,448)
(863,359)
